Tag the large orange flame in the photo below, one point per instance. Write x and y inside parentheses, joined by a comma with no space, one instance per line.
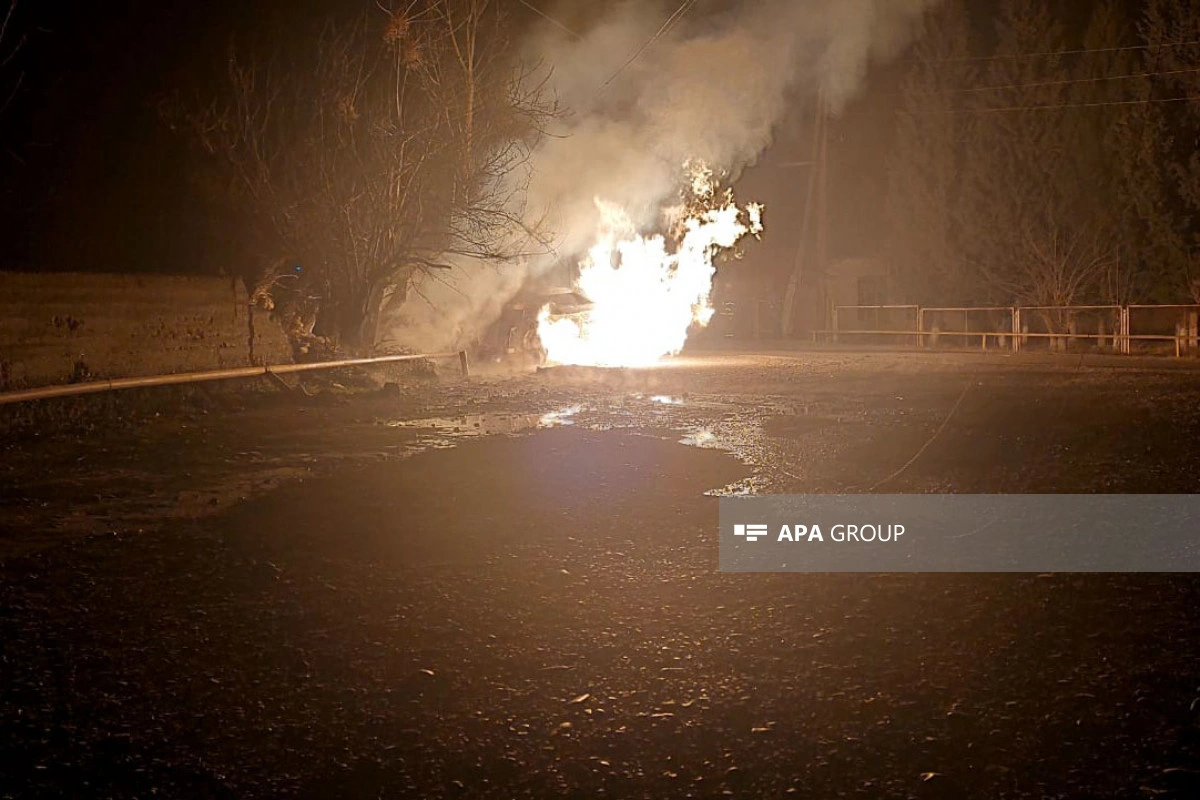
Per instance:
(645,297)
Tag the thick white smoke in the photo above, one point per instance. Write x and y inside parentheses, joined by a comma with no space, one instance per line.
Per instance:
(713,87)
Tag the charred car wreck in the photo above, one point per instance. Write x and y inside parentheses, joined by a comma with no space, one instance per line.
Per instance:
(514,336)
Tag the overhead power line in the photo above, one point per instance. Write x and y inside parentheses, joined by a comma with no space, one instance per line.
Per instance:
(662,31)
(1075,52)
(549,18)
(1062,82)
(1056,106)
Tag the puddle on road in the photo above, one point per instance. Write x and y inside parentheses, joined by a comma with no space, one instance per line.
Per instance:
(756,484)
(741,438)
(490,424)
(703,437)
(736,436)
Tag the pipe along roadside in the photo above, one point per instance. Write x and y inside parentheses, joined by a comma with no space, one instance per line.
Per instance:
(92,387)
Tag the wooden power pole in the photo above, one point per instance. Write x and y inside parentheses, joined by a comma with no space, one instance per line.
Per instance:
(814,196)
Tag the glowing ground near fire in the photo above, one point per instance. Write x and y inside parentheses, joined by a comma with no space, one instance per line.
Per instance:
(646,294)
(536,612)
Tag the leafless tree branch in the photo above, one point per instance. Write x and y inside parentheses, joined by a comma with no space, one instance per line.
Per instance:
(409,150)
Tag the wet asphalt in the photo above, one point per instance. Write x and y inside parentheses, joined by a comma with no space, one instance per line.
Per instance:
(508,588)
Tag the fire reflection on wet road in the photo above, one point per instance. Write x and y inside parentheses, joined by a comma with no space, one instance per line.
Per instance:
(525,603)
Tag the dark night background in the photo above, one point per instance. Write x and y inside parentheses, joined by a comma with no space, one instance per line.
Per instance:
(395,582)
(93,180)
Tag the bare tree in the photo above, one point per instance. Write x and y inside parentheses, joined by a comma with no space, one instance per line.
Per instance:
(408,150)
(1054,267)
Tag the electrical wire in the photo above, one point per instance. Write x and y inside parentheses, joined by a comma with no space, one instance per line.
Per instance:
(662,31)
(549,18)
(950,415)
(1049,53)
(1062,82)
(1057,106)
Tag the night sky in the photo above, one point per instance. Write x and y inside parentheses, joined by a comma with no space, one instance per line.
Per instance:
(94,180)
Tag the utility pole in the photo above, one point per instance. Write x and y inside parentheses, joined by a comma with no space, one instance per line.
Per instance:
(815,178)
(821,262)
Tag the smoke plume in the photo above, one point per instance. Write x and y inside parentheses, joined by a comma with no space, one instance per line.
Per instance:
(713,86)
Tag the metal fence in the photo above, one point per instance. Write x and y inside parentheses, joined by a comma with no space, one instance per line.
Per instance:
(1128,329)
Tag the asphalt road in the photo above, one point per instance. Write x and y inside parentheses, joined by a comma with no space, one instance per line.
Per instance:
(508,588)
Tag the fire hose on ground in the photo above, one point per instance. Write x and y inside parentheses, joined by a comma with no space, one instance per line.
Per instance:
(272,371)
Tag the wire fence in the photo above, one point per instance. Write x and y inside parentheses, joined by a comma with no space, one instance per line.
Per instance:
(1127,329)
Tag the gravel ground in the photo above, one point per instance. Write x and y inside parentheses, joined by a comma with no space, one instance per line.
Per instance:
(507,587)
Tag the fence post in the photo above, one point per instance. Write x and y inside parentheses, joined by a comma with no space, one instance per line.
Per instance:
(836,315)
(920,327)
(1016,329)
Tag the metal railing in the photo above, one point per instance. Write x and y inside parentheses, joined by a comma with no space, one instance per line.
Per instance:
(273,370)
(1010,326)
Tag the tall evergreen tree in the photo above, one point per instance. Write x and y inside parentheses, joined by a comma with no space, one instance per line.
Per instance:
(1095,191)
(1165,167)
(924,174)
(1017,159)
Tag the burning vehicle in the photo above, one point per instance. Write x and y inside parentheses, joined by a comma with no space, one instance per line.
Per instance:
(636,295)
(514,336)
(648,291)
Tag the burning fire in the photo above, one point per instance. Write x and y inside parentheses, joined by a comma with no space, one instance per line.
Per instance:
(645,296)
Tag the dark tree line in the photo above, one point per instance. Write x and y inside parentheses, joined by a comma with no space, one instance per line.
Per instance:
(1041,164)
(385,145)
